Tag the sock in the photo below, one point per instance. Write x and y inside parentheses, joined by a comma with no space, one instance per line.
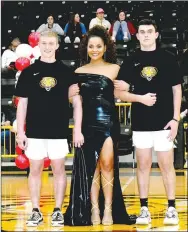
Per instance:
(56,209)
(144,202)
(171,203)
(36,209)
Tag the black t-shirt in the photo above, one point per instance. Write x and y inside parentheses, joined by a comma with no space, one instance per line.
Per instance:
(151,72)
(46,87)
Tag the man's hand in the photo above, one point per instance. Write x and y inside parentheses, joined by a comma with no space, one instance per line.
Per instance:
(121,85)
(148,99)
(73,90)
(173,129)
(78,138)
(22,141)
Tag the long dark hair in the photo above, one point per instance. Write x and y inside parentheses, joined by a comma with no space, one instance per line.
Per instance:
(98,31)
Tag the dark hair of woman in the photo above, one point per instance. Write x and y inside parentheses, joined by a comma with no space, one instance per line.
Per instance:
(101,32)
(71,18)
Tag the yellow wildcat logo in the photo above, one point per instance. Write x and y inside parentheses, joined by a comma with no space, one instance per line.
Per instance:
(149,72)
(48,83)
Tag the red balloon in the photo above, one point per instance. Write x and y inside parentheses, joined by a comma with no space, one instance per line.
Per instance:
(18,150)
(22,161)
(34,39)
(47,162)
(22,63)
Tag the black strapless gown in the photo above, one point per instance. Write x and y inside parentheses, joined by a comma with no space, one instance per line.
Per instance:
(100,120)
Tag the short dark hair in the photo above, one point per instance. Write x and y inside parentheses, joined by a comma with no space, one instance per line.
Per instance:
(148,22)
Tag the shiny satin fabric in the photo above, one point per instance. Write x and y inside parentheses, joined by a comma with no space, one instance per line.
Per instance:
(100,121)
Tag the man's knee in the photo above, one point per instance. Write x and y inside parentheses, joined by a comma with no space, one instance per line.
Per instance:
(58,168)
(166,167)
(35,171)
(36,167)
(144,166)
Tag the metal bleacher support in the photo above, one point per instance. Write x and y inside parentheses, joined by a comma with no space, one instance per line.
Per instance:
(12,152)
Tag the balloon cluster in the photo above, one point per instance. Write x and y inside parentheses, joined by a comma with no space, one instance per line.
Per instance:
(22,162)
(27,53)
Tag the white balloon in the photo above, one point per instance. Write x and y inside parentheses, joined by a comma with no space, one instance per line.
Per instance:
(36,52)
(14,125)
(18,74)
(24,50)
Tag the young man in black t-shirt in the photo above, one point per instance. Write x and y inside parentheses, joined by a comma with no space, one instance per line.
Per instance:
(44,94)
(153,76)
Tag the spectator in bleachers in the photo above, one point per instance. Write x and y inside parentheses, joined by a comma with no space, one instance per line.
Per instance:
(8,115)
(100,20)
(74,30)
(9,54)
(51,26)
(118,26)
(119,30)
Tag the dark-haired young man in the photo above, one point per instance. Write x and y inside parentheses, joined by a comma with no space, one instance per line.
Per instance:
(156,98)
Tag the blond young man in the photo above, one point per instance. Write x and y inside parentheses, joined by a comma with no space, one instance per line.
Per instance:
(44,94)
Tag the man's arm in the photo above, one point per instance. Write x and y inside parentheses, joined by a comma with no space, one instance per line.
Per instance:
(77,114)
(92,23)
(20,118)
(177,96)
(59,30)
(83,29)
(41,28)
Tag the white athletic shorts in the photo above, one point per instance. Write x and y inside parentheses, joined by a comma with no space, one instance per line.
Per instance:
(156,139)
(38,149)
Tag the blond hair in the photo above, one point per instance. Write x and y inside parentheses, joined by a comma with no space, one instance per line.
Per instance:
(49,34)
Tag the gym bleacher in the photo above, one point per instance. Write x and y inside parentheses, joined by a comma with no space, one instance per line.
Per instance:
(20,18)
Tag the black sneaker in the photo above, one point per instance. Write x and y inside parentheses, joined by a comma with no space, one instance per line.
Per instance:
(35,219)
(57,218)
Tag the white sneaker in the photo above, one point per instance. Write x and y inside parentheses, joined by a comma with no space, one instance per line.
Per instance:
(125,38)
(171,217)
(67,40)
(35,219)
(113,38)
(57,218)
(77,40)
(144,218)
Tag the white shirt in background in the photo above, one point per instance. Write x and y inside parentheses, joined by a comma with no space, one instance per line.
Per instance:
(8,56)
(96,21)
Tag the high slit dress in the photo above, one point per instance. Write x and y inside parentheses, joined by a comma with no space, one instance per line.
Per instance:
(100,121)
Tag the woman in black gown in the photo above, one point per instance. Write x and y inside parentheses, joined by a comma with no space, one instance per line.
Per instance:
(96,194)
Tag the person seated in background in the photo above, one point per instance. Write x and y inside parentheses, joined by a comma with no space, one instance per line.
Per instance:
(51,26)
(119,30)
(8,115)
(9,55)
(74,30)
(100,20)
(122,29)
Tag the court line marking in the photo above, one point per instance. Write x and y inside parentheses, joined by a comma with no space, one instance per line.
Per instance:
(127,183)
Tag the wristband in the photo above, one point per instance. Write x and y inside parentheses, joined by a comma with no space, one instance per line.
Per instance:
(175,120)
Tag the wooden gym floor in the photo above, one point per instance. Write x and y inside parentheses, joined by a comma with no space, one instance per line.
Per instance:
(16,205)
